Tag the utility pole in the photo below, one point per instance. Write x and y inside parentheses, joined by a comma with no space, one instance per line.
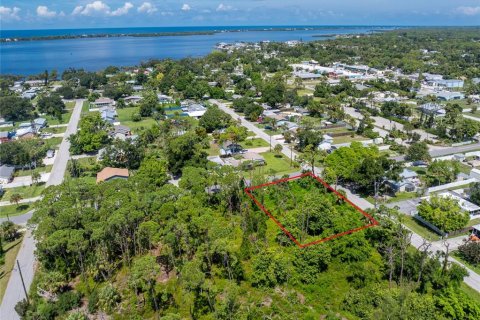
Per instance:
(23,283)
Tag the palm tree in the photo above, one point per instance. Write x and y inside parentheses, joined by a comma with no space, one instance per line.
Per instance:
(16,198)
(36,177)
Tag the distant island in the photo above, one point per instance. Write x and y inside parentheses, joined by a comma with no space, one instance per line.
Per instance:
(160,34)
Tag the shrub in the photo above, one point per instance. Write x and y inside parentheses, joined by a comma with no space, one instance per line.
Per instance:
(136,117)
(470,251)
(68,301)
(21,308)
(93,302)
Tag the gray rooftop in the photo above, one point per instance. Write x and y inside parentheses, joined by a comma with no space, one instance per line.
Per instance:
(6,171)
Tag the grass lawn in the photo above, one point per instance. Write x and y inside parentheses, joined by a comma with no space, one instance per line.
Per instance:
(345,139)
(464,168)
(416,227)
(462,103)
(27,172)
(472,293)
(14,210)
(279,165)
(125,118)
(473,222)
(125,114)
(304,92)
(267,131)
(457,255)
(254,143)
(25,192)
(214,150)
(85,107)
(136,126)
(11,250)
(65,118)
(400,196)
(53,143)
(70,104)
(54,130)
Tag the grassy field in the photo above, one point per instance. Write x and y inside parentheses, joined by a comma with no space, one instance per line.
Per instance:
(11,250)
(67,114)
(345,139)
(25,192)
(14,210)
(400,196)
(70,105)
(255,143)
(125,114)
(277,165)
(419,229)
(27,172)
(85,106)
(305,92)
(125,118)
(54,130)
(53,143)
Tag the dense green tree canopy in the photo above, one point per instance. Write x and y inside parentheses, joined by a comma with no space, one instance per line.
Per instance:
(14,108)
(443,212)
(91,136)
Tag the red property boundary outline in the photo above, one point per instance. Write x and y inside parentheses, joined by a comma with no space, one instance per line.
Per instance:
(372,223)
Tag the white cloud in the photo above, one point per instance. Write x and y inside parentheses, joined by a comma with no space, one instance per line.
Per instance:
(122,10)
(223,7)
(96,7)
(469,11)
(166,13)
(43,12)
(7,13)
(147,7)
(186,7)
(101,8)
(77,10)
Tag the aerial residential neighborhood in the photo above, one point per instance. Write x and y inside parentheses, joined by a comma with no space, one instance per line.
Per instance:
(288,172)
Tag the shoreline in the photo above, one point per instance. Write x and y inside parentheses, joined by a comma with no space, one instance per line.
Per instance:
(156,34)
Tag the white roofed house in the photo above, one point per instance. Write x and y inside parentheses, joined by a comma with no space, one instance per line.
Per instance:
(465,205)
(132,99)
(433,108)
(102,103)
(162,98)
(449,95)
(108,114)
(25,133)
(450,83)
(195,110)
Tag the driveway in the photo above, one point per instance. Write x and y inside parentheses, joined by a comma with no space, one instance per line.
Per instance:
(405,206)
(25,181)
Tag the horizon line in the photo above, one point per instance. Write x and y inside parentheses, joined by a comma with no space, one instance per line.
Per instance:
(258,26)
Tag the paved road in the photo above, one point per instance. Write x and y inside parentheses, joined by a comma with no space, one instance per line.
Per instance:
(20,220)
(473,280)
(26,257)
(357,115)
(8,203)
(470,117)
(447,151)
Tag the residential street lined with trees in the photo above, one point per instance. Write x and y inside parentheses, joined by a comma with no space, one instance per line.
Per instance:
(26,256)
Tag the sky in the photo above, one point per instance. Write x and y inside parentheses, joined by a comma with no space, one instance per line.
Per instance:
(58,14)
